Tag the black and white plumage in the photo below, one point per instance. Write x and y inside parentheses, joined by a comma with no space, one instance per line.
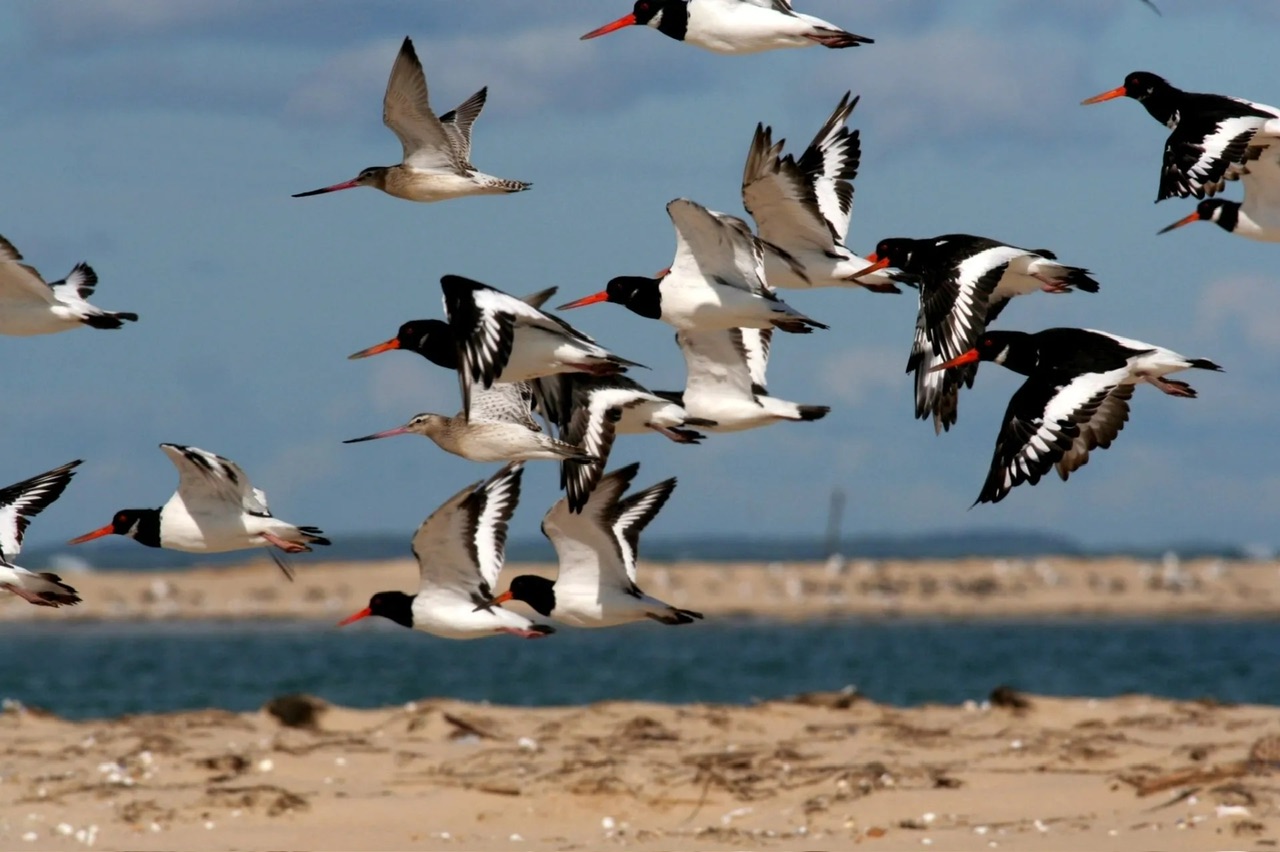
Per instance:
(965,282)
(30,306)
(1210,137)
(734,26)
(460,550)
(436,165)
(1258,217)
(597,551)
(725,381)
(804,206)
(1075,398)
(716,280)
(215,509)
(588,412)
(502,338)
(500,428)
(19,503)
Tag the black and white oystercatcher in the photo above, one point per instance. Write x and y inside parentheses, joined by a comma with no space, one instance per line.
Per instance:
(1075,398)
(19,503)
(734,26)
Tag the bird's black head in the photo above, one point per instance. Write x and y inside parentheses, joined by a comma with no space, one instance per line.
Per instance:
(396,606)
(538,592)
(648,12)
(141,525)
(1141,85)
(898,251)
(432,339)
(1225,214)
(639,294)
(1010,349)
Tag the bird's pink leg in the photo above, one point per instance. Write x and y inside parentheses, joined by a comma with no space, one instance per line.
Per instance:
(1173,388)
(1050,286)
(286,546)
(29,597)
(523,634)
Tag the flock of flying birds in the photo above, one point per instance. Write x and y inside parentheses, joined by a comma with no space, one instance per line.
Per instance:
(514,360)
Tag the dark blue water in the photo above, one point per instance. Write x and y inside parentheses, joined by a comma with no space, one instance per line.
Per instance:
(86,670)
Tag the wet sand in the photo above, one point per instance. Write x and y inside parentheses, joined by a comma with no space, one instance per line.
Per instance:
(976,588)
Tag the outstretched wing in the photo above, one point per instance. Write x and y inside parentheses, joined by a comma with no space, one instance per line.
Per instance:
(407,111)
(22,501)
(460,548)
(209,482)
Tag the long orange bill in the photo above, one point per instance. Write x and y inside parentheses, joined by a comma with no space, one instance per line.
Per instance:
(602,296)
(1117,92)
(876,265)
(364,613)
(500,599)
(399,430)
(625,21)
(346,184)
(958,361)
(393,343)
(98,533)
(1185,220)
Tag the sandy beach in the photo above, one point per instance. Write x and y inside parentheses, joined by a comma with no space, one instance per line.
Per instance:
(818,771)
(974,588)
(821,771)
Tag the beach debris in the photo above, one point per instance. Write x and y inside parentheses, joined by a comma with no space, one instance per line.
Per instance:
(842,699)
(471,726)
(297,710)
(1008,697)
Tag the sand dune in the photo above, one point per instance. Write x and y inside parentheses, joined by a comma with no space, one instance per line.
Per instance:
(962,588)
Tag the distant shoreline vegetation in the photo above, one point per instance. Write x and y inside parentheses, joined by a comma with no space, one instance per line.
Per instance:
(994,544)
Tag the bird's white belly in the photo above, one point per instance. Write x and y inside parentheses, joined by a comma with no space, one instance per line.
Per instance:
(589,607)
(637,419)
(748,29)
(215,533)
(536,353)
(705,308)
(731,414)
(453,617)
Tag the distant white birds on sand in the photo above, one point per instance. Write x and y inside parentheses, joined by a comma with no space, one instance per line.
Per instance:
(19,503)
(215,509)
(460,549)
(437,150)
(597,550)
(30,306)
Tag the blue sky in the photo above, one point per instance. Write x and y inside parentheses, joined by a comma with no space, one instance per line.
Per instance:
(159,140)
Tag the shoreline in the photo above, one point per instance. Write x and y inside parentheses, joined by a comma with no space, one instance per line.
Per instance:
(960,589)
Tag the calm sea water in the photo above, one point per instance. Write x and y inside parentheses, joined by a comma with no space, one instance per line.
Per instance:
(90,670)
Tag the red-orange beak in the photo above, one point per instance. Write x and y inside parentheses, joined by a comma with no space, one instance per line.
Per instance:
(602,296)
(393,343)
(624,21)
(1117,92)
(98,533)
(504,597)
(1185,220)
(663,273)
(877,263)
(364,613)
(958,361)
(346,184)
